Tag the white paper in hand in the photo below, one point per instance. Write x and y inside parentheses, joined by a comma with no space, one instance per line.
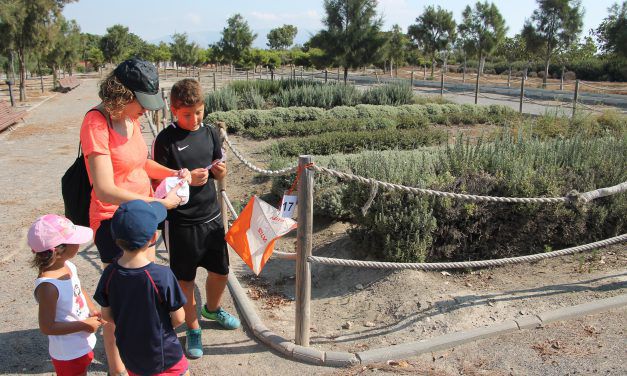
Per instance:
(170,182)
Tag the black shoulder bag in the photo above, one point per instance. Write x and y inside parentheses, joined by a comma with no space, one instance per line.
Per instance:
(75,186)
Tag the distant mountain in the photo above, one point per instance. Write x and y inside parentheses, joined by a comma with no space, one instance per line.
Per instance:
(205,38)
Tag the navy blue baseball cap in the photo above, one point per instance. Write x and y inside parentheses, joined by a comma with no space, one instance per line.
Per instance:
(141,77)
(136,221)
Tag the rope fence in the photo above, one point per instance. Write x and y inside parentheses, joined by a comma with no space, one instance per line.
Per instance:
(466,264)
(304,258)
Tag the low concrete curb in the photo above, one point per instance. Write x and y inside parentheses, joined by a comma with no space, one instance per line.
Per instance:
(344,359)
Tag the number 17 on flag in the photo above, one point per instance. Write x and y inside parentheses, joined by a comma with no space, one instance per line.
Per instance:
(288,205)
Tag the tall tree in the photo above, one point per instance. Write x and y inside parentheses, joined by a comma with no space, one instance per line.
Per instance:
(612,32)
(433,31)
(114,44)
(23,27)
(484,27)
(554,26)
(184,53)
(352,37)
(398,43)
(512,49)
(282,37)
(237,38)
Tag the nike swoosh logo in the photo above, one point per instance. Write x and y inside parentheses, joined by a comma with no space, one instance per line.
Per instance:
(183,148)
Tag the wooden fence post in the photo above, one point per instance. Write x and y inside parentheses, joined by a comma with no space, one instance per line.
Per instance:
(477,87)
(411,81)
(575,97)
(522,93)
(303,250)
(214,81)
(224,210)
(442,84)
(326,74)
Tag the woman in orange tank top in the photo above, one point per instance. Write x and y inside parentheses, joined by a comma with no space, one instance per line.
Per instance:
(117,162)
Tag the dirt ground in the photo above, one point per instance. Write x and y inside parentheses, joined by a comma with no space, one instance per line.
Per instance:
(352,309)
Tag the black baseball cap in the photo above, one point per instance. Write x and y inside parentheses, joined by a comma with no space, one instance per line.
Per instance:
(142,78)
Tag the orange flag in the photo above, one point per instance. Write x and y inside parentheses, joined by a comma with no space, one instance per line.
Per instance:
(255,231)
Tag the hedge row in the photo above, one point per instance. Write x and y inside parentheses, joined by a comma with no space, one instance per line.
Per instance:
(298,93)
(430,113)
(407,228)
(309,128)
(356,141)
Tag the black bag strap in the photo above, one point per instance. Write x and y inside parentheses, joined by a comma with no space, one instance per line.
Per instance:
(100,108)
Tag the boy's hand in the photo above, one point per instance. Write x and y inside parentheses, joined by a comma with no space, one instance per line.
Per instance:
(95,313)
(219,170)
(185,175)
(199,176)
(93,323)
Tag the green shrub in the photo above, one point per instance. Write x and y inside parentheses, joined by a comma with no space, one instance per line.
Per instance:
(308,128)
(394,94)
(400,227)
(412,115)
(355,141)
(221,100)
(251,99)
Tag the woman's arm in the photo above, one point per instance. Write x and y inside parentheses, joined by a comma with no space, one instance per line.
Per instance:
(157,171)
(47,296)
(104,186)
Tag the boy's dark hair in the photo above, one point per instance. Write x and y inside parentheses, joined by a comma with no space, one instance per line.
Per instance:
(126,245)
(185,93)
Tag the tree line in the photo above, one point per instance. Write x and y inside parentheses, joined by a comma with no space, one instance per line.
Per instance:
(36,37)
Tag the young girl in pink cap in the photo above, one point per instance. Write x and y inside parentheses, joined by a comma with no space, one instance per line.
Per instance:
(66,313)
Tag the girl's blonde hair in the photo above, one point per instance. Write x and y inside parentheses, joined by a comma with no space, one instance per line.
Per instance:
(45,259)
(114,95)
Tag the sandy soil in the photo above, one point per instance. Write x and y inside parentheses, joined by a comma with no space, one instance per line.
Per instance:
(383,308)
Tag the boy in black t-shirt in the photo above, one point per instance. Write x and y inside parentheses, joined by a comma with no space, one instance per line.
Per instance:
(143,299)
(194,233)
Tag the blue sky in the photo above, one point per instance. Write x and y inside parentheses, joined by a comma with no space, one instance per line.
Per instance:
(203,20)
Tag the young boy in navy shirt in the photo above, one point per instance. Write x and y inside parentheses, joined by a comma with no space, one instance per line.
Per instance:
(143,299)
(194,233)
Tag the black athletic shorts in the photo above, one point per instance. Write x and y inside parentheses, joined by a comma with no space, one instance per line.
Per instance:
(193,246)
(108,250)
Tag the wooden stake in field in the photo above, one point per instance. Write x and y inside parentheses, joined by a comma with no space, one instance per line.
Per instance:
(522,93)
(442,84)
(303,250)
(477,87)
(575,97)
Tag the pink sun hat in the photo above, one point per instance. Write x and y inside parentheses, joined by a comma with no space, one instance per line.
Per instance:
(52,230)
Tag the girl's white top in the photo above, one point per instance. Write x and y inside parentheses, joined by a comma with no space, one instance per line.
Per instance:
(71,306)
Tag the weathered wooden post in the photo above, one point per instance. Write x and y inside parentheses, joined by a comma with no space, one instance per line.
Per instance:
(442,84)
(214,82)
(224,210)
(246,74)
(326,73)
(338,74)
(522,93)
(575,97)
(411,81)
(41,81)
(10,83)
(303,250)
(199,74)
(164,110)
(477,87)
